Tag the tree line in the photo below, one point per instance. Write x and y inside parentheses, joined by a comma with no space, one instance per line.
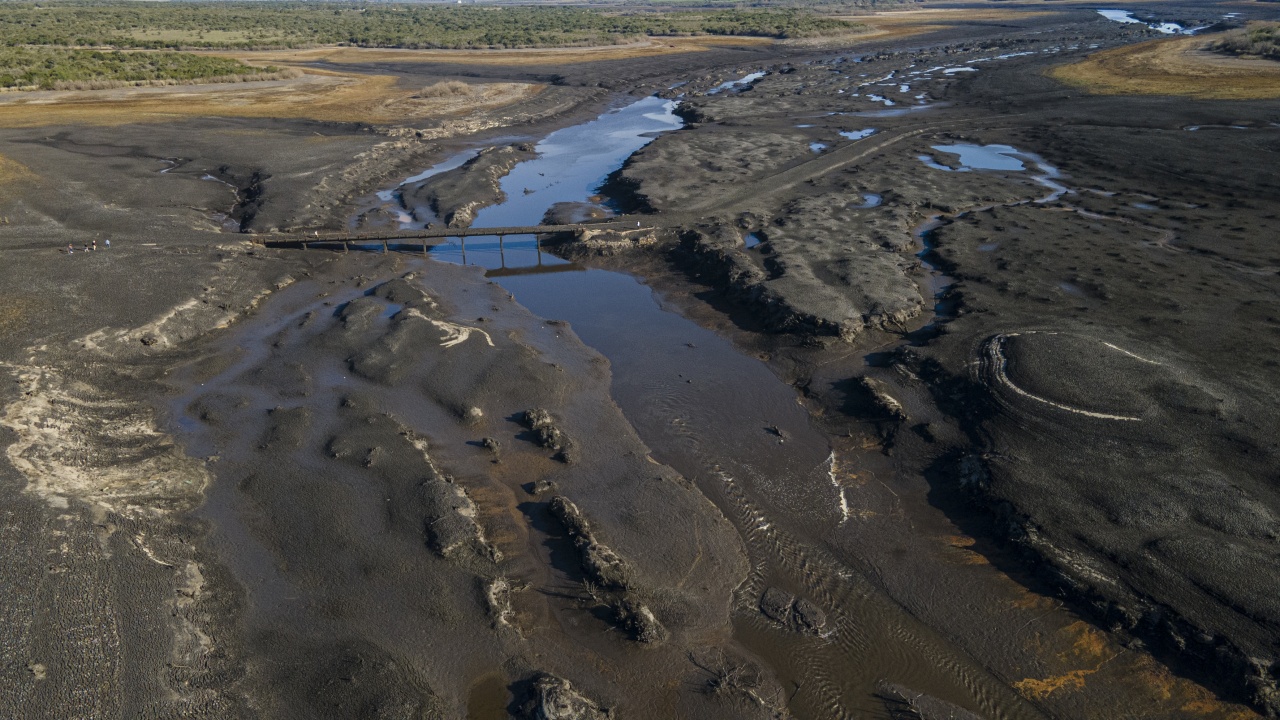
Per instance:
(287,25)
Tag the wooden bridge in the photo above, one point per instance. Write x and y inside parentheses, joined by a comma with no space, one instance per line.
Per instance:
(425,237)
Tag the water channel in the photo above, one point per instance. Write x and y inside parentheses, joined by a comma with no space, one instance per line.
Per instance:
(718,416)
(725,421)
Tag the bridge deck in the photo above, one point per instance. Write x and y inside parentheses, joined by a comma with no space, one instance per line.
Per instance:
(298,240)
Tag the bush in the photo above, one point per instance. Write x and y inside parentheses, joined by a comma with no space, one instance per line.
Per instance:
(449,88)
(75,69)
(1258,40)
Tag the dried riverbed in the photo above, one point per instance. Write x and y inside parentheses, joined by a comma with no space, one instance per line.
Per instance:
(830,442)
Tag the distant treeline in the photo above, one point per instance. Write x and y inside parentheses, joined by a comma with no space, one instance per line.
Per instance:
(1259,39)
(47,68)
(243,25)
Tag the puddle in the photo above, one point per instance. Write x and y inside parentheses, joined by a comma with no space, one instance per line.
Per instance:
(930,162)
(869,200)
(1168,28)
(954,70)
(881,99)
(1001,158)
(739,83)
(857,134)
(751,240)
(817,146)
(985,157)
(988,247)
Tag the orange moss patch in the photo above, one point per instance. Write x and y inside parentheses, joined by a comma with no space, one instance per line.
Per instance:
(1177,66)
(1090,643)
(961,545)
(1041,689)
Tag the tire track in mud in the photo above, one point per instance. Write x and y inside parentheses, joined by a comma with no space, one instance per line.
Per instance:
(903,649)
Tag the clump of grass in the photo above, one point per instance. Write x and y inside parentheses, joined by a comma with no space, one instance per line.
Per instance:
(1257,40)
(447,88)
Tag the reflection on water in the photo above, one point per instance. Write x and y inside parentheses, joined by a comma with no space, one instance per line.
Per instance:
(1168,28)
(984,157)
(739,83)
(571,165)
(1000,157)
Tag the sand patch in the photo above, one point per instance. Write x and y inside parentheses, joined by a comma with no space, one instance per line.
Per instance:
(1177,66)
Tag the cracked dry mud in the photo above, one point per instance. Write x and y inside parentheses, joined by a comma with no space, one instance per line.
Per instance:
(1010,453)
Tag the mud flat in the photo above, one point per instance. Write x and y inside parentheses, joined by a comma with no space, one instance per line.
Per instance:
(878,437)
(1066,389)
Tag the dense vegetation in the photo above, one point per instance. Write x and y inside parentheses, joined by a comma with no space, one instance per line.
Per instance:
(1259,40)
(287,24)
(64,68)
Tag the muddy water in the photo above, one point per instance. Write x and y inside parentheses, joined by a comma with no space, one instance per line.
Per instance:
(724,420)
(721,418)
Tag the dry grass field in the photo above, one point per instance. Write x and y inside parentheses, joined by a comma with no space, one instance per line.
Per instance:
(534,56)
(326,94)
(888,24)
(317,95)
(1177,66)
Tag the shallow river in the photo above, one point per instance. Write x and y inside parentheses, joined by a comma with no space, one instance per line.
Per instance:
(725,421)
(720,418)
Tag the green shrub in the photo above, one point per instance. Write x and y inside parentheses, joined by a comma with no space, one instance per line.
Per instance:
(1258,39)
(68,68)
(287,24)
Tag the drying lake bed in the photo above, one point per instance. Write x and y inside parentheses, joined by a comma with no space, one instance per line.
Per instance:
(926,385)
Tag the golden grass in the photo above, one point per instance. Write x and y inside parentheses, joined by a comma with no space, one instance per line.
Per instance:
(893,24)
(317,95)
(1175,66)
